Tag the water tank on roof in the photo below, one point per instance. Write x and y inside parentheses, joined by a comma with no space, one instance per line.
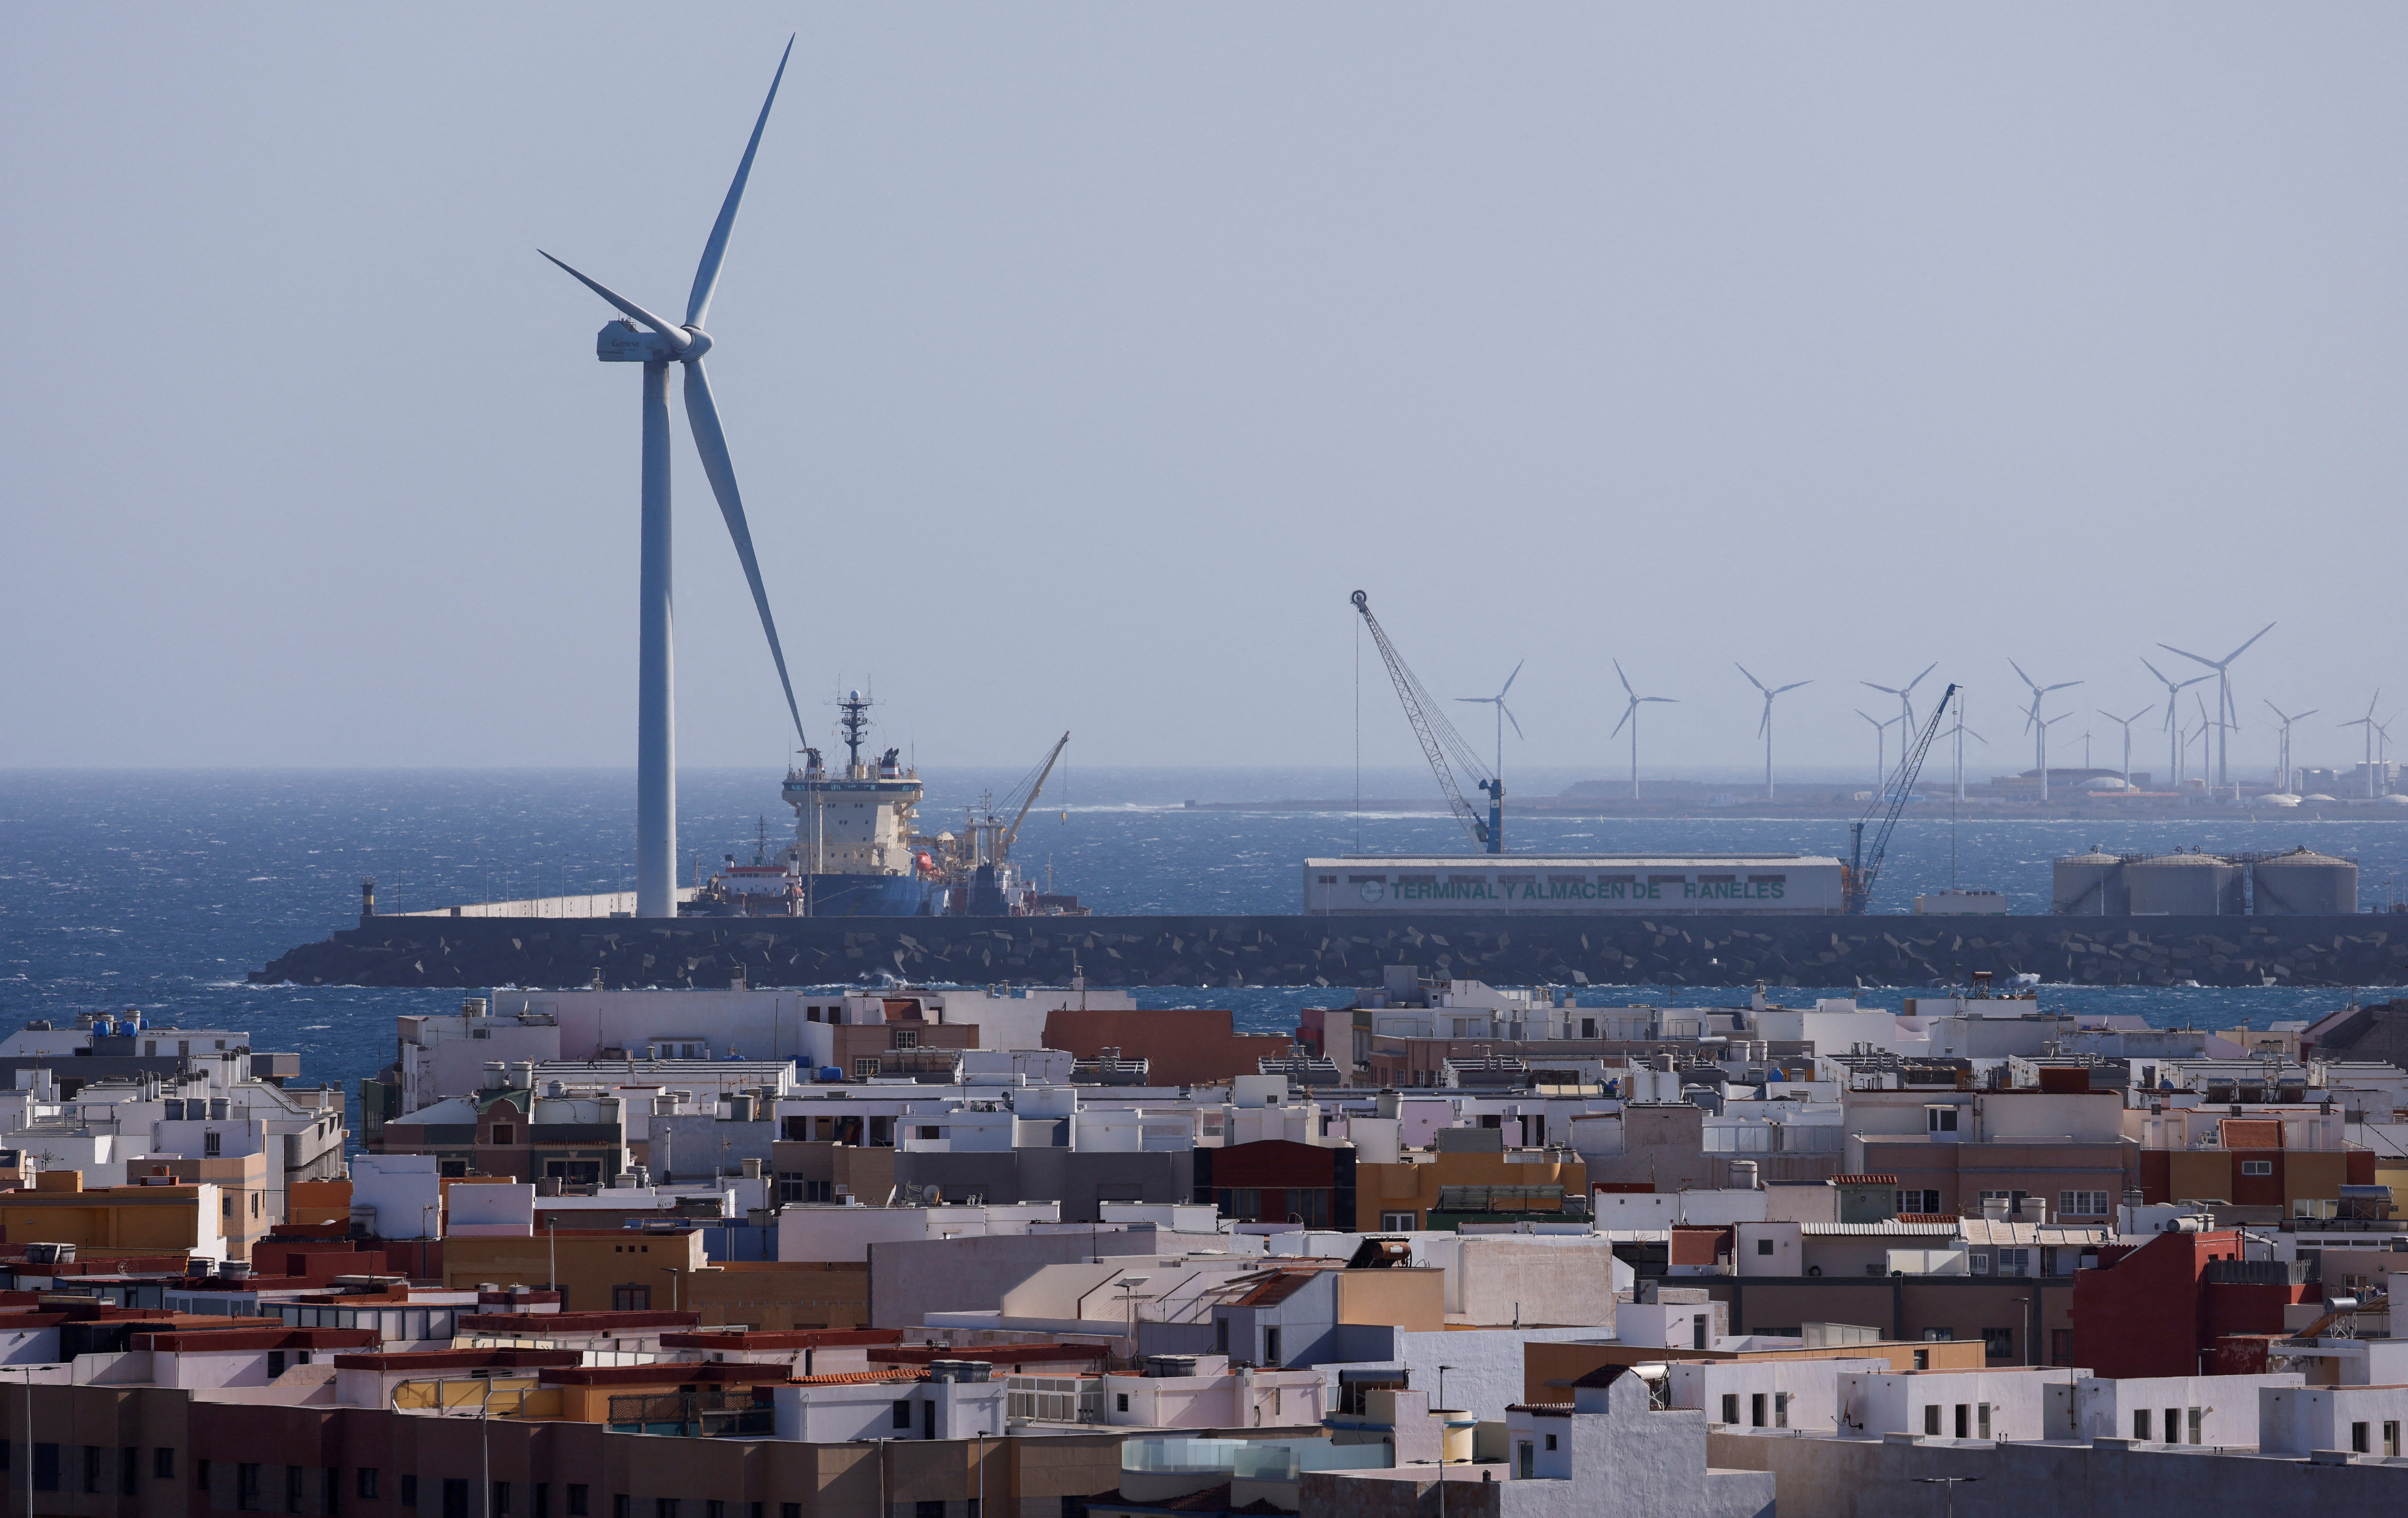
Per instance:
(2304,883)
(959,1370)
(2089,885)
(2185,885)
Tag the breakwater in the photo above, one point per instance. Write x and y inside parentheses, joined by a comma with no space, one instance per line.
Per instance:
(1195,950)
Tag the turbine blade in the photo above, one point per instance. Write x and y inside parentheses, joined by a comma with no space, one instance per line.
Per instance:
(1751,679)
(706,276)
(1627,713)
(1885,689)
(702,415)
(625,306)
(1625,682)
(1794,685)
(2245,647)
(1918,680)
(1668,700)
(1767,721)
(1511,678)
(2171,649)
(2065,685)
(2019,670)
(1509,716)
(2304,715)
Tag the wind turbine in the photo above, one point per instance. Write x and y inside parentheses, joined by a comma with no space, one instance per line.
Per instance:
(2206,725)
(2176,745)
(1764,729)
(2227,713)
(1958,732)
(1906,707)
(1881,750)
(2369,722)
(2126,723)
(2287,719)
(2031,719)
(644,338)
(1630,715)
(2043,724)
(1504,714)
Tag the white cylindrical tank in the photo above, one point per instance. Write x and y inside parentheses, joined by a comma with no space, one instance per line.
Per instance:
(2185,885)
(2304,883)
(2089,885)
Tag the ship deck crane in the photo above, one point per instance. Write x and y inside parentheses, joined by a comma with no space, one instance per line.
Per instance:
(1440,742)
(1856,890)
(1035,789)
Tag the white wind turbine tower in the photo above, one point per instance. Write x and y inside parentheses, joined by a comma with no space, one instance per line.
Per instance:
(1764,729)
(1631,716)
(1504,713)
(2287,719)
(2033,721)
(2369,722)
(1958,732)
(1903,692)
(2176,745)
(2207,731)
(2227,713)
(2126,723)
(1881,752)
(652,341)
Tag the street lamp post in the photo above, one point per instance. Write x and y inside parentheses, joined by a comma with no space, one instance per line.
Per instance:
(1443,1431)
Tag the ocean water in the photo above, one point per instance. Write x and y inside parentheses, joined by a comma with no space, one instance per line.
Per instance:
(163,890)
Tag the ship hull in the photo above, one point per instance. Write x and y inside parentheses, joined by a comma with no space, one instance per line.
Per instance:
(868,896)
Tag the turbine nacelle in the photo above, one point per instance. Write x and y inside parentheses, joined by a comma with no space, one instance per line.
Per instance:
(623,342)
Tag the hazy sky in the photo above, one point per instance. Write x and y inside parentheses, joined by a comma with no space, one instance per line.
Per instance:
(1078,361)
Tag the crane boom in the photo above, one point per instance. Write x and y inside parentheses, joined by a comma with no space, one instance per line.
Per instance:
(1437,738)
(1862,872)
(1035,788)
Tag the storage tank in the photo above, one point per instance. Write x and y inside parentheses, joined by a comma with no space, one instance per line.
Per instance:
(2184,885)
(2304,883)
(2090,885)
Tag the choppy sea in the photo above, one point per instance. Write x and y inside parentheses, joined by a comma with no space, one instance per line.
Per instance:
(161,890)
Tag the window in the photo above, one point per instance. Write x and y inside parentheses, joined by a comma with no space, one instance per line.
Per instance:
(1940,1119)
(1551,1443)
(1997,1343)
(2014,1262)
(501,1500)
(631,1298)
(1923,1202)
(929,1130)
(1400,1222)
(929,1509)
(2082,1204)
(2391,1439)
(902,1413)
(577,1500)
(714,1508)
(2192,1418)
(2256,1166)
(1731,1407)
(1763,1246)
(2358,1439)
(330,1491)
(863,1068)
(163,1463)
(1120,1402)
(1982,1421)
(212,1144)
(363,1481)
(455,1498)
(1964,1420)
(274,1364)
(1781,1410)
(505,1133)
(1755,1409)
(1931,1419)
(2140,1425)
(790,1510)
(409,1491)
(619,1505)
(666,1507)
(1940,1336)
(1271,1346)
(1923,1359)
(542,1501)
(292,1488)
(46,1468)
(2174,1426)
(91,1468)
(905,1039)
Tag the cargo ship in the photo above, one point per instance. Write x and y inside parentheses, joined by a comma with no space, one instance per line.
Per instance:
(858,850)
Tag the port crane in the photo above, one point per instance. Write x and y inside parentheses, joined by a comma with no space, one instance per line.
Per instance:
(1856,889)
(1439,741)
(988,839)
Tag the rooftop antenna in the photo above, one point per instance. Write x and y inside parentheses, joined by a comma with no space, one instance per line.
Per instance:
(2368,722)
(2226,711)
(1764,728)
(644,338)
(2125,723)
(1631,716)
(2284,743)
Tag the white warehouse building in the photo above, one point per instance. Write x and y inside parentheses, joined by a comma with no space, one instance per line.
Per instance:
(1682,885)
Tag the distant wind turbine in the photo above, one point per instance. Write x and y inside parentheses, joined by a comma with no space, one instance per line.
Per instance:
(1504,713)
(2176,745)
(2126,723)
(2287,719)
(1959,732)
(1764,729)
(2031,719)
(1881,752)
(2227,713)
(1630,717)
(1905,704)
(2369,722)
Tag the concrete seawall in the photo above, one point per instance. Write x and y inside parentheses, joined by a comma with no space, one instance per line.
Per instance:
(2365,950)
